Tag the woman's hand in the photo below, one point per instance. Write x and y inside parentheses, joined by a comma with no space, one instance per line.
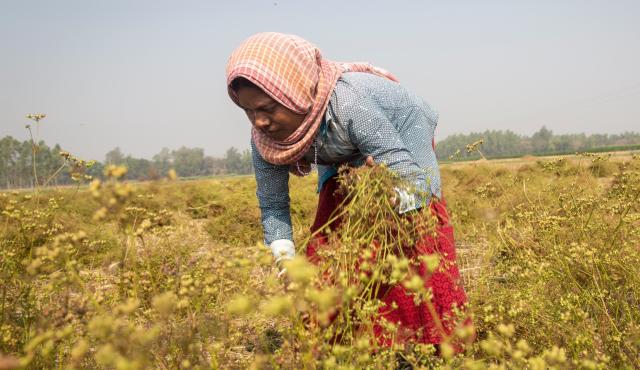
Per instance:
(369,162)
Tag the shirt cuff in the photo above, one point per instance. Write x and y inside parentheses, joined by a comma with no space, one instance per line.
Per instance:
(282,249)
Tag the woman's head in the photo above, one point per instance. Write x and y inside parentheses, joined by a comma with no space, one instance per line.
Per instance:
(265,113)
(284,84)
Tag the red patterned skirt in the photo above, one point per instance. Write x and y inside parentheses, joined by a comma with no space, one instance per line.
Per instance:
(422,323)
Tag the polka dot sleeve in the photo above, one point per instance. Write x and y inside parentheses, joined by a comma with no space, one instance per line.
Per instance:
(273,197)
(403,144)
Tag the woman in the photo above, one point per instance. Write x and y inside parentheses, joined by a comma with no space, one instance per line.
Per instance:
(308,110)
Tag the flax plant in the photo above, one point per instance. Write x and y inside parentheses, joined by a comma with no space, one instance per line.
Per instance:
(171,274)
(34,146)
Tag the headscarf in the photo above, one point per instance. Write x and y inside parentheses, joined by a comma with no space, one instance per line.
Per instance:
(293,72)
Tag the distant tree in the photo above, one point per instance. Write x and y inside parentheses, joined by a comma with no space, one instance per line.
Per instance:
(8,158)
(114,156)
(233,160)
(23,165)
(163,161)
(541,140)
(214,166)
(188,162)
(138,168)
(247,162)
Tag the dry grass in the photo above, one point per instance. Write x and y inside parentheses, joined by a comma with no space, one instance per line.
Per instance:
(173,275)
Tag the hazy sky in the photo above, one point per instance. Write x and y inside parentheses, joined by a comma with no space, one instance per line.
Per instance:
(143,75)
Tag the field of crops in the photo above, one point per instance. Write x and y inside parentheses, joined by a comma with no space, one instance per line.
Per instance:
(172,274)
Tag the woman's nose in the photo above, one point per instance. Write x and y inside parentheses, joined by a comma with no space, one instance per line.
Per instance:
(261,121)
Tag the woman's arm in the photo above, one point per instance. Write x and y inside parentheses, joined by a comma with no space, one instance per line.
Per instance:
(408,153)
(273,196)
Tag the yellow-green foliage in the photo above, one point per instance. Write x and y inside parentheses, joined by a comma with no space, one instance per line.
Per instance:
(173,274)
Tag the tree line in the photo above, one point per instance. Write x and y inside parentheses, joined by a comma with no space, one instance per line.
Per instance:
(499,143)
(16,157)
(187,162)
(53,166)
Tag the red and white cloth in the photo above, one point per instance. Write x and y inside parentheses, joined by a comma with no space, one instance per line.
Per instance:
(293,72)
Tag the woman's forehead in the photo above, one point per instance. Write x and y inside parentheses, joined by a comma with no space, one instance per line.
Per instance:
(253,97)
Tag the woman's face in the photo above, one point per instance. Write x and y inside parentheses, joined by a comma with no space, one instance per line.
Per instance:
(266,114)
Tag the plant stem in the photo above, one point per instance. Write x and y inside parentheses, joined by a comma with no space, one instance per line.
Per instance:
(33,161)
(54,174)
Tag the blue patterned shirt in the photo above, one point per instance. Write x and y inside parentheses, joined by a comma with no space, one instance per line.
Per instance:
(367,115)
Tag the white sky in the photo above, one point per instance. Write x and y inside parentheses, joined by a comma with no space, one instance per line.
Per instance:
(147,74)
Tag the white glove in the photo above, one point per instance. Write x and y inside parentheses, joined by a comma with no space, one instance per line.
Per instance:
(283,250)
(406,202)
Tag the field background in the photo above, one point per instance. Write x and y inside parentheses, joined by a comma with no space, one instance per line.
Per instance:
(172,274)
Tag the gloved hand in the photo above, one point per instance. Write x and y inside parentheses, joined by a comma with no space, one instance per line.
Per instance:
(283,250)
(282,270)
(403,201)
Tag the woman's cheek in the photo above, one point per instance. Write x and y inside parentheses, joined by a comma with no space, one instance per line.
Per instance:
(251,118)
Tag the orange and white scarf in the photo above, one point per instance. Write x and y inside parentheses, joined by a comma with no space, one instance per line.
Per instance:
(293,72)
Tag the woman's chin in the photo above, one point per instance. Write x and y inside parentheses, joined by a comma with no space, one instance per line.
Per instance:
(278,135)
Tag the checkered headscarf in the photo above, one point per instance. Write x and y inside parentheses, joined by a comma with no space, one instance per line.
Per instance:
(292,71)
